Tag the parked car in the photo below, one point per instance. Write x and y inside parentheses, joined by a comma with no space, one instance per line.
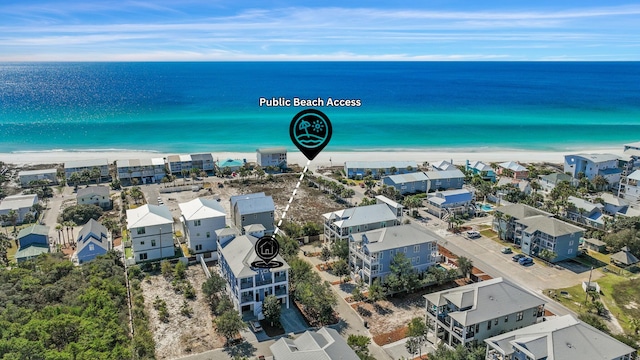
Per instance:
(261,357)
(506,250)
(517,257)
(473,234)
(525,261)
(255,325)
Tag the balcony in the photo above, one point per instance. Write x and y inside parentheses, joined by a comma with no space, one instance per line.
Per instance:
(265,281)
(280,278)
(281,291)
(246,298)
(246,285)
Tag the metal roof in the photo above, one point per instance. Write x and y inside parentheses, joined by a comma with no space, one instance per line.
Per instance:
(520,211)
(15,202)
(38,172)
(548,225)
(92,232)
(32,250)
(34,229)
(361,215)
(148,215)
(239,253)
(444,174)
(200,208)
(512,165)
(93,190)
(394,237)
(407,178)
(323,344)
(86,163)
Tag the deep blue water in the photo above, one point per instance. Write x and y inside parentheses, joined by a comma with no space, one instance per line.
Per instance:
(186,107)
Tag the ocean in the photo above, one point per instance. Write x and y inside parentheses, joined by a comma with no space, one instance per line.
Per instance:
(215,106)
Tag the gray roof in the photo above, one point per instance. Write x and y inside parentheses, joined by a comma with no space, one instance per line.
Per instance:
(274,150)
(596,158)
(324,344)
(255,205)
(444,174)
(15,202)
(624,256)
(511,165)
(95,231)
(375,165)
(395,237)
(634,175)
(488,300)
(480,166)
(613,200)
(555,178)
(584,204)
(93,190)
(550,226)
(34,229)
(595,242)
(239,253)
(254,228)
(86,163)
(521,211)
(560,338)
(235,198)
(361,215)
(407,178)
(38,172)
(200,208)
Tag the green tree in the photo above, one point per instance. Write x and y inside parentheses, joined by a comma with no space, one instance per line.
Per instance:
(271,309)
(407,276)
(340,268)
(5,244)
(376,291)
(465,265)
(311,229)
(95,174)
(229,324)
(413,346)
(340,249)
(359,344)
(179,271)
(212,288)
(325,254)
(81,214)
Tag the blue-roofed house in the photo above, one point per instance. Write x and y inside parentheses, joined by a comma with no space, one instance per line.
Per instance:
(32,241)
(371,252)
(231,164)
(93,240)
(450,202)
(411,183)
(586,212)
(359,169)
(256,208)
(483,170)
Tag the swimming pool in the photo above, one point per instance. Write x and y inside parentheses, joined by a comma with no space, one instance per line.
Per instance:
(485,207)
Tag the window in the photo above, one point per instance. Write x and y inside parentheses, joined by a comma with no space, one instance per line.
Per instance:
(198,247)
(416,248)
(243,218)
(196,223)
(506,318)
(571,243)
(519,316)
(405,250)
(495,322)
(141,242)
(143,256)
(153,243)
(91,247)
(140,231)
(489,325)
(570,251)
(381,253)
(208,234)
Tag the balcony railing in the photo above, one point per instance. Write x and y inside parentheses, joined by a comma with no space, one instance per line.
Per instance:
(266,281)
(281,291)
(280,278)
(246,298)
(245,285)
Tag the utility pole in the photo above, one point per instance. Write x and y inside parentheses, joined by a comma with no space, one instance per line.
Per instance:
(586,295)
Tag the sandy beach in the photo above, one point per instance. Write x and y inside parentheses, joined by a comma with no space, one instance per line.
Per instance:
(322,160)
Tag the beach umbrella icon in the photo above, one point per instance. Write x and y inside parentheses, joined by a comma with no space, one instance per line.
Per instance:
(304,125)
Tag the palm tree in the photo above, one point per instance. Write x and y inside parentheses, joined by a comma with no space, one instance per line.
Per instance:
(12,217)
(499,216)
(465,265)
(96,174)
(600,182)
(74,179)
(59,229)
(393,170)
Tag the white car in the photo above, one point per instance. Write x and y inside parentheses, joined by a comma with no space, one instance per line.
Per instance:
(255,325)
(473,234)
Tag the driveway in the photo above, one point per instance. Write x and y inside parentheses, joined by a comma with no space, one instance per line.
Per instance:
(292,320)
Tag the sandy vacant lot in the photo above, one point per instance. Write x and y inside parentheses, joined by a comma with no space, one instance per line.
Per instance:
(181,335)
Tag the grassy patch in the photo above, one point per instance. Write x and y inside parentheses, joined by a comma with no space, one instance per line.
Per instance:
(604,258)
(489,233)
(128,253)
(11,252)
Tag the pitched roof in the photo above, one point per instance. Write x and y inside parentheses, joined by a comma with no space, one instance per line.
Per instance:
(521,211)
(361,215)
(549,225)
(395,237)
(254,205)
(375,165)
(15,202)
(274,150)
(148,215)
(86,163)
(406,178)
(624,256)
(443,165)
(444,174)
(613,200)
(139,162)
(235,198)
(560,338)
(38,172)
(511,165)
(480,166)
(634,175)
(584,204)
(200,208)
(324,344)
(32,250)
(595,158)
(239,253)
(92,232)
(93,190)
(34,229)
(488,300)
(555,178)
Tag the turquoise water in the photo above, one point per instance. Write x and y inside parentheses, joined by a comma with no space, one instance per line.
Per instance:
(188,107)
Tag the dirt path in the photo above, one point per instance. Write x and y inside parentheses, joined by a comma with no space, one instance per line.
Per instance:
(181,335)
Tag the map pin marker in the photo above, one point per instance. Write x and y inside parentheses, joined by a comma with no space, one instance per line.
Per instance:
(310,131)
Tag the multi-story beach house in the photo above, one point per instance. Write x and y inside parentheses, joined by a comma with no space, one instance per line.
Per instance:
(481,169)
(630,187)
(516,170)
(48,176)
(475,312)
(232,165)
(177,163)
(540,232)
(338,225)
(558,338)
(586,212)
(200,219)
(372,252)
(509,184)
(256,208)
(79,166)
(151,232)
(323,344)
(203,162)
(248,286)
(94,195)
(446,203)
(33,240)
(146,171)
(632,150)
(360,169)
(410,183)
(21,204)
(443,165)
(591,165)
(444,180)
(272,157)
(550,181)
(93,240)
(505,217)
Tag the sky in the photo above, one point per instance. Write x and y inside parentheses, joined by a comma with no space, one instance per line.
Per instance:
(222,30)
